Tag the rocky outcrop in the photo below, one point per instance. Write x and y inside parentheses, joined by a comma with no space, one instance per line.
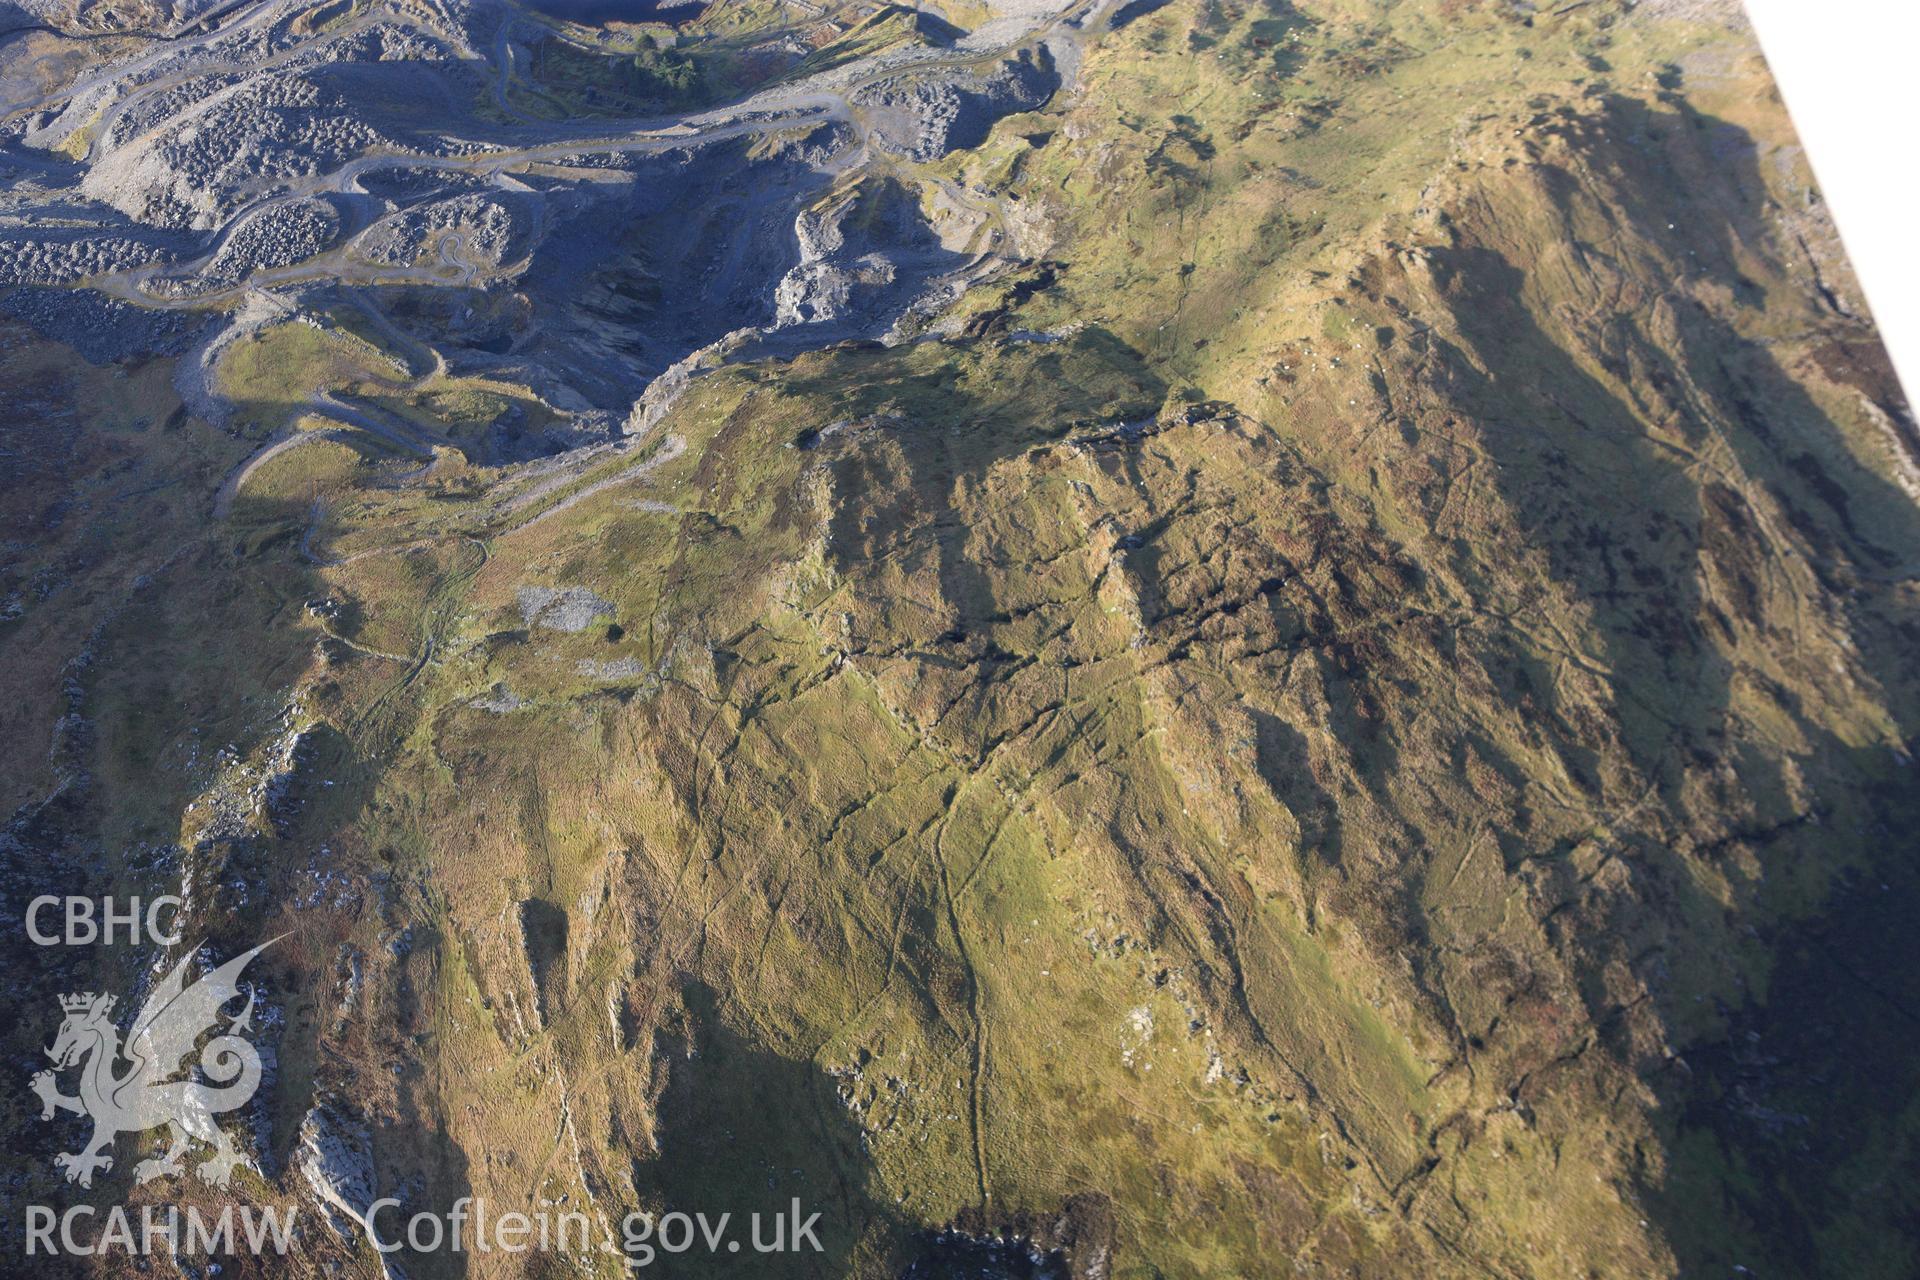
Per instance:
(925,116)
(863,257)
(335,1160)
(570,609)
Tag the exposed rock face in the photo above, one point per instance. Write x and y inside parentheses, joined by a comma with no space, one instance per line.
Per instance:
(335,1160)
(927,117)
(79,17)
(1163,638)
(258,145)
(861,258)
(570,609)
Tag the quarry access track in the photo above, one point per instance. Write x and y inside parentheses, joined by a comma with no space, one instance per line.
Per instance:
(827,97)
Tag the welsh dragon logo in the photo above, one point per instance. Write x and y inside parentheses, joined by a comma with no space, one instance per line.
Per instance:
(158,1046)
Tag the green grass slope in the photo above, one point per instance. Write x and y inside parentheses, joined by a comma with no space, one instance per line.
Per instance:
(1351,717)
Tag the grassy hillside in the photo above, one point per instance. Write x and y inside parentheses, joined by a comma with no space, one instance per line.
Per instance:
(1351,716)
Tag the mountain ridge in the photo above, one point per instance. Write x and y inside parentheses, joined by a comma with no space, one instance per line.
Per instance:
(1294,658)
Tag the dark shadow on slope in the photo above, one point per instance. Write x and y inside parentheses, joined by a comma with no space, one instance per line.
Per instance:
(1795,1148)
(745,1131)
(543,933)
(1633,543)
(1702,183)
(1791,1146)
(1285,760)
(1627,543)
(600,11)
(1134,9)
(1795,1140)
(191,656)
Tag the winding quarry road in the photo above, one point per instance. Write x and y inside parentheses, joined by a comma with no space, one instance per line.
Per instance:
(819,99)
(81,120)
